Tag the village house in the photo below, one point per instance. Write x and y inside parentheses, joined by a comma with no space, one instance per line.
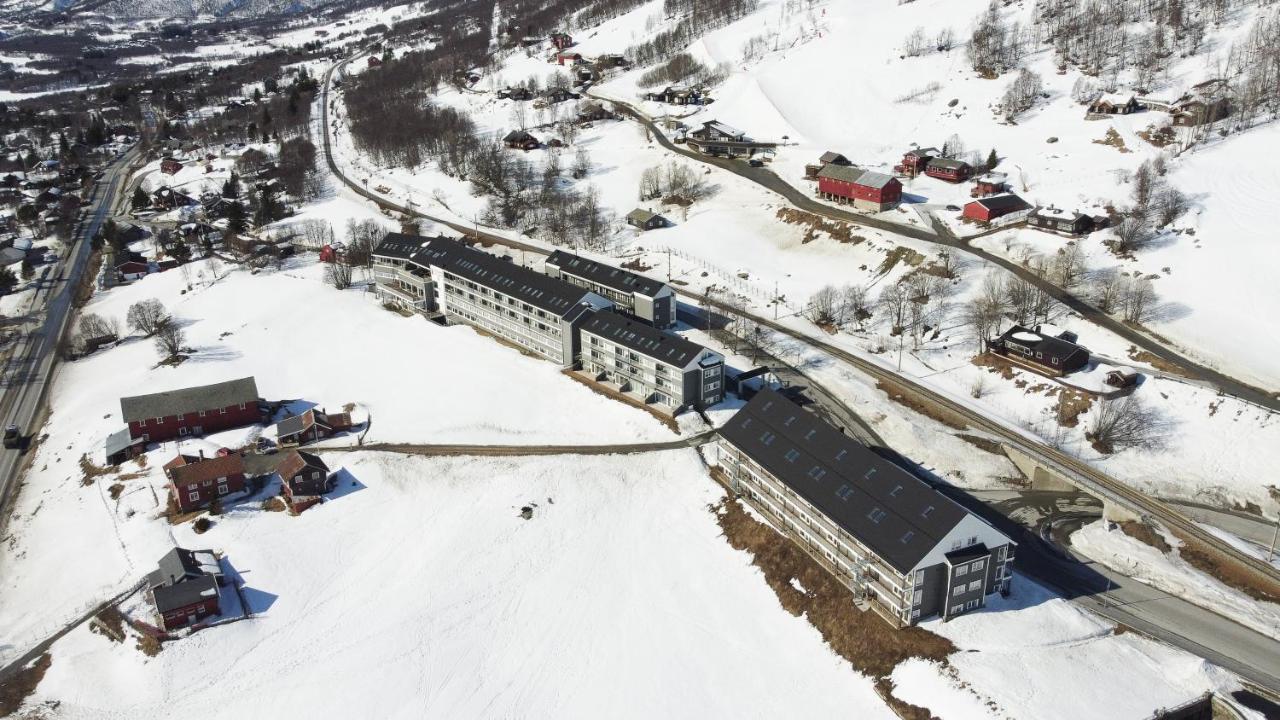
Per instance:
(660,369)
(827,158)
(611,60)
(674,95)
(949,169)
(131,270)
(1122,377)
(515,93)
(989,183)
(556,95)
(520,140)
(170,165)
(641,297)
(119,447)
(184,587)
(716,138)
(195,481)
(561,40)
(468,286)
(1114,104)
(908,550)
(1058,220)
(304,478)
(310,426)
(568,58)
(1043,353)
(374,61)
(992,208)
(865,189)
(646,219)
(192,411)
(915,161)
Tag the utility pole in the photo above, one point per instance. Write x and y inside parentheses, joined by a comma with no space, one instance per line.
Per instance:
(775,300)
(1272,550)
(668,263)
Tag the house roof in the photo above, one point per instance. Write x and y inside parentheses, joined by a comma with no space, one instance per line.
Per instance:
(1007,203)
(399,246)
(665,347)
(186,400)
(833,157)
(886,508)
(186,593)
(948,163)
(855,175)
(642,216)
(963,555)
(118,441)
(518,136)
(179,565)
(1058,213)
(722,128)
(295,424)
(607,275)
(1049,346)
(874,179)
(193,468)
(295,461)
(558,297)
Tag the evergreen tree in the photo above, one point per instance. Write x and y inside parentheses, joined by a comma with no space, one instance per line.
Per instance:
(235,218)
(992,159)
(28,270)
(231,188)
(140,199)
(7,280)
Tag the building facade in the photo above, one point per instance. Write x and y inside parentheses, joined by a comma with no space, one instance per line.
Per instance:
(865,189)
(196,481)
(192,411)
(895,542)
(654,367)
(649,300)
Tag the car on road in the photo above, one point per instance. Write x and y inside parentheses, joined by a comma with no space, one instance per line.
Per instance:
(953,208)
(755,162)
(12,437)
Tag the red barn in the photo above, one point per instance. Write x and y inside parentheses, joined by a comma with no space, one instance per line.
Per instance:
(196,481)
(948,169)
(997,206)
(192,411)
(867,190)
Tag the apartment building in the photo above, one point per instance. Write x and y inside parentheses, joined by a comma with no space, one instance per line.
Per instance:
(645,298)
(911,552)
(655,367)
(469,286)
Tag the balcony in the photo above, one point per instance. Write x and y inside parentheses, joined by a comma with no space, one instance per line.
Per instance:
(402,296)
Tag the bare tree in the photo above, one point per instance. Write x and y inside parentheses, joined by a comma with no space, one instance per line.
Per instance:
(1107,290)
(338,273)
(823,308)
(1133,233)
(1125,422)
(895,299)
(1021,94)
(946,39)
(169,338)
(1138,300)
(147,316)
(581,163)
(915,44)
(1067,267)
(856,303)
(95,326)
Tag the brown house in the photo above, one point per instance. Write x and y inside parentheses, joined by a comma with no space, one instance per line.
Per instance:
(304,478)
(310,426)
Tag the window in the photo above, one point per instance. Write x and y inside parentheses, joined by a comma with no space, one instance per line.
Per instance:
(207,483)
(193,486)
(200,413)
(876,515)
(222,411)
(919,595)
(925,512)
(222,489)
(792,454)
(975,585)
(915,613)
(194,497)
(979,564)
(960,570)
(957,590)
(158,421)
(906,537)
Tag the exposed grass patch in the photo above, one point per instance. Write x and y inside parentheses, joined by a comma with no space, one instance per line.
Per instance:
(1071,405)
(115,490)
(1144,533)
(109,623)
(274,504)
(15,690)
(897,394)
(149,645)
(985,444)
(1228,570)
(202,525)
(995,364)
(1154,361)
(897,255)
(814,224)
(1158,136)
(863,638)
(91,472)
(1113,139)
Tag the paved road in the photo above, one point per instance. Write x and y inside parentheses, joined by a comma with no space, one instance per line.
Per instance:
(431,450)
(27,375)
(1195,629)
(942,236)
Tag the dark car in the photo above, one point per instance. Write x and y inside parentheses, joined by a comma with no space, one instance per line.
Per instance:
(755,162)
(12,438)
(953,208)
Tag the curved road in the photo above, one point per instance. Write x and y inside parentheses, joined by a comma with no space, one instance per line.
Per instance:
(770,181)
(1216,638)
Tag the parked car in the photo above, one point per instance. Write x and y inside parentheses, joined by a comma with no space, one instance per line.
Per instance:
(12,437)
(755,162)
(953,208)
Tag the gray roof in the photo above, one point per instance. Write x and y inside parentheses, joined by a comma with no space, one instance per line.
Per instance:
(188,400)
(874,179)
(399,246)
(117,441)
(887,509)
(607,275)
(641,215)
(856,175)
(188,592)
(948,163)
(558,297)
(181,565)
(293,424)
(833,157)
(647,340)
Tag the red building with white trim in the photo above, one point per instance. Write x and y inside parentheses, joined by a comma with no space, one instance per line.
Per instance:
(997,206)
(196,481)
(865,189)
(192,411)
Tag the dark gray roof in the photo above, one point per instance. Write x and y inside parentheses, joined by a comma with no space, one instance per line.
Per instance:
(844,173)
(117,441)
(641,215)
(647,340)
(293,425)
(189,592)
(558,297)
(188,400)
(1050,346)
(1007,203)
(973,552)
(833,157)
(179,565)
(607,275)
(884,507)
(399,246)
(948,163)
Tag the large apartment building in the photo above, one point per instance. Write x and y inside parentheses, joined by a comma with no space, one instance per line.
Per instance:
(470,286)
(896,542)
(655,367)
(645,298)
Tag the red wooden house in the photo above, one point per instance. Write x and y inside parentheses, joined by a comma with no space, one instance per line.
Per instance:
(375,61)
(192,411)
(568,58)
(312,425)
(997,206)
(865,189)
(915,161)
(561,40)
(992,183)
(948,169)
(195,481)
(170,166)
(184,587)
